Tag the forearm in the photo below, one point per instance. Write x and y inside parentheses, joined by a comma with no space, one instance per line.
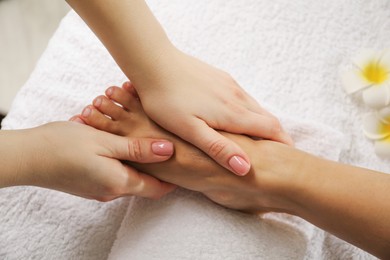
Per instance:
(129,31)
(349,202)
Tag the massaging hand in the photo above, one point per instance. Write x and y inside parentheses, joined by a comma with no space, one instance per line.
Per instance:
(273,164)
(193,99)
(182,94)
(80,160)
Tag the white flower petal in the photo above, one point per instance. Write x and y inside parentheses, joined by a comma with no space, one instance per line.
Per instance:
(365,56)
(377,96)
(374,128)
(384,115)
(353,81)
(385,60)
(382,147)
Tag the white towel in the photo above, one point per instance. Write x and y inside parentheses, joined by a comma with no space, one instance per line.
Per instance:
(282,52)
(186,225)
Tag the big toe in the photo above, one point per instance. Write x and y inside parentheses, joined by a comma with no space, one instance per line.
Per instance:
(124,98)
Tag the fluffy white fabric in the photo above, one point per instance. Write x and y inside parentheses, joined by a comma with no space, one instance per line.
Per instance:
(285,53)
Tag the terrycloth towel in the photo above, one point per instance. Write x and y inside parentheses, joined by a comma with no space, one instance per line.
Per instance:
(286,53)
(186,225)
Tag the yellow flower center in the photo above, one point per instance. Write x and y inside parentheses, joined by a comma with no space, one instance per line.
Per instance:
(375,73)
(384,129)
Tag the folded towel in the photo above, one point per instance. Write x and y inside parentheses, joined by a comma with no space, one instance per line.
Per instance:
(186,225)
(283,52)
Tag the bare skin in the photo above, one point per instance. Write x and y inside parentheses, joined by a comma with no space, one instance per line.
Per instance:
(349,202)
(189,166)
(79,160)
(197,96)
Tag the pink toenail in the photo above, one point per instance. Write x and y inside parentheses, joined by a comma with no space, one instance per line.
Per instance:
(97,102)
(86,112)
(109,91)
(78,120)
(126,85)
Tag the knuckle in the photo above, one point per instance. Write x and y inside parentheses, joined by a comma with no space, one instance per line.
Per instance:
(217,148)
(115,189)
(138,187)
(135,151)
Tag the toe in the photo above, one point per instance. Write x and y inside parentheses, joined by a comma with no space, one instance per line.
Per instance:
(93,117)
(123,97)
(77,119)
(107,107)
(129,87)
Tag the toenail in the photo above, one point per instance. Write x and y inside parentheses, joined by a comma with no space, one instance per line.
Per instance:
(97,102)
(109,91)
(78,120)
(126,85)
(86,112)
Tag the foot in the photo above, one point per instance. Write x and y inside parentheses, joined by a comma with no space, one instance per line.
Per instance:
(120,112)
(125,117)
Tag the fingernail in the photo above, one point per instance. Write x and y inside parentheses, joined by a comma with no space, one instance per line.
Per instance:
(239,165)
(86,112)
(109,91)
(97,102)
(162,148)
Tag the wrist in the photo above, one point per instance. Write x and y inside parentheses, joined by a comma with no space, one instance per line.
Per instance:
(155,68)
(282,174)
(305,180)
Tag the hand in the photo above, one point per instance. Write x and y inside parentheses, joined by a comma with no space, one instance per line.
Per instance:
(193,99)
(269,186)
(83,161)
(271,183)
(182,94)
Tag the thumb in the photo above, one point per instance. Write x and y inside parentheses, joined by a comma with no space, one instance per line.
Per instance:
(141,150)
(224,151)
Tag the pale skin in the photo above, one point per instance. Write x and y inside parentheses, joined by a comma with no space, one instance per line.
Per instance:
(349,202)
(80,160)
(195,95)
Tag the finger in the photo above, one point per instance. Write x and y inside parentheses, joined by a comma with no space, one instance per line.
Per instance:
(224,151)
(142,150)
(255,107)
(253,124)
(258,125)
(144,185)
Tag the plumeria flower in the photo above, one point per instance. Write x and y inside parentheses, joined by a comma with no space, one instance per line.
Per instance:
(376,126)
(370,73)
